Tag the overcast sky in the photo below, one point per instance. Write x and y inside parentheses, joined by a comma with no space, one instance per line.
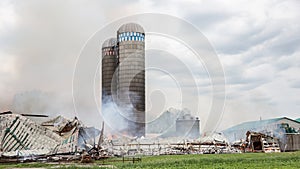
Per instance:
(257,42)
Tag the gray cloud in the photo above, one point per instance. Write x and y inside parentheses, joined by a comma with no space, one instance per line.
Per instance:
(295,84)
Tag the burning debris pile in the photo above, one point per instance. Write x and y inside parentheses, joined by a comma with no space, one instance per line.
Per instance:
(259,142)
(210,144)
(215,143)
(75,137)
(61,138)
(24,138)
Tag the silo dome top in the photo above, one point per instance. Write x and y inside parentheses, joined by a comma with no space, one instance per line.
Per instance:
(109,42)
(131,27)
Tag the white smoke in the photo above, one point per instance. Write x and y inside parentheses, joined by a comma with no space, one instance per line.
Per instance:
(38,103)
(120,118)
(112,115)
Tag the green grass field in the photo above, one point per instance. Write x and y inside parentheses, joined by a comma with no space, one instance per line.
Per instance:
(249,160)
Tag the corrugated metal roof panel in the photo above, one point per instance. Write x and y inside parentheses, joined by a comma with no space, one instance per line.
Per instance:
(247,125)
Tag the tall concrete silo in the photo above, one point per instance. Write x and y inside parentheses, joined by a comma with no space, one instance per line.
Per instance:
(131,77)
(109,65)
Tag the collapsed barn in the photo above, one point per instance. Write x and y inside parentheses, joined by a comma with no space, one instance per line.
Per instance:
(23,137)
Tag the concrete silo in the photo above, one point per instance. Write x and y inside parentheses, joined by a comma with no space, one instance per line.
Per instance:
(109,65)
(131,77)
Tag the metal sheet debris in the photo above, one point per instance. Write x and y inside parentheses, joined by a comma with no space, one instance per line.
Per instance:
(22,137)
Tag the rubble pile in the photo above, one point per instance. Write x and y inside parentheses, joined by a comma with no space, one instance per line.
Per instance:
(260,142)
(63,139)
(21,137)
(209,144)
